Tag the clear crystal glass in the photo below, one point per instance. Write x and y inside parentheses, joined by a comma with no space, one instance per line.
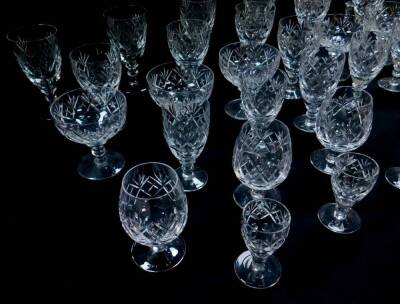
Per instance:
(311,10)
(88,121)
(353,178)
(265,227)
(38,54)
(185,131)
(262,157)
(97,68)
(199,9)
(343,124)
(153,211)
(188,41)
(254,21)
(234,58)
(293,41)
(320,73)
(392,176)
(127,29)
(367,8)
(367,57)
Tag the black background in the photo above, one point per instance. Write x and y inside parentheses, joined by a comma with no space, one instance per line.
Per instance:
(63,236)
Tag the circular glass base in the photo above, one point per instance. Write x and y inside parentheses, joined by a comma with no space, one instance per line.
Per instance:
(389,84)
(88,169)
(350,224)
(260,279)
(243,194)
(304,124)
(156,259)
(392,175)
(319,159)
(234,109)
(197,180)
(293,92)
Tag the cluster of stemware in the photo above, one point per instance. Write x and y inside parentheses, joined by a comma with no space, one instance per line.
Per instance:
(312,45)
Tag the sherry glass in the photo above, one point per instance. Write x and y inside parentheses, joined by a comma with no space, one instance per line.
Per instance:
(38,54)
(88,121)
(234,58)
(153,211)
(311,11)
(343,124)
(320,73)
(199,9)
(261,160)
(185,131)
(352,179)
(392,176)
(127,29)
(97,68)
(188,41)
(265,227)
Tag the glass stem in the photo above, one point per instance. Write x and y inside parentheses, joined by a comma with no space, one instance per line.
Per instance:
(330,158)
(187,170)
(311,114)
(257,194)
(99,153)
(341,212)
(359,84)
(396,71)
(258,263)
(133,71)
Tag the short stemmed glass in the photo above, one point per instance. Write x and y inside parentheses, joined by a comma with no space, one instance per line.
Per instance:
(392,176)
(343,124)
(293,41)
(310,12)
(88,121)
(127,29)
(199,9)
(265,227)
(97,68)
(188,41)
(234,58)
(39,57)
(153,211)
(367,57)
(254,21)
(262,157)
(352,179)
(319,77)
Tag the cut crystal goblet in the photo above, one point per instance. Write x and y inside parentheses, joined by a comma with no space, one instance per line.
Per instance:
(199,9)
(392,176)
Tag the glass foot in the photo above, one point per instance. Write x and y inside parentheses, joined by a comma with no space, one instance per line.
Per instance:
(90,170)
(319,159)
(293,92)
(159,259)
(304,124)
(234,109)
(392,175)
(243,194)
(350,224)
(197,180)
(389,84)
(260,279)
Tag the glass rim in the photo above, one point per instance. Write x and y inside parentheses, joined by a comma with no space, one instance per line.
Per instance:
(89,44)
(53,32)
(125,177)
(237,43)
(249,124)
(199,1)
(269,4)
(362,155)
(108,10)
(366,93)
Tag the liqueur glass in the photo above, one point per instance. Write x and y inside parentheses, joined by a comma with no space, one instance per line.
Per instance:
(311,11)
(188,41)
(97,68)
(353,178)
(392,176)
(265,227)
(343,124)
(319,77)
(153,211)
(127,30)
(38,54)
(234,58)
(254,21)
(88,121)
(185,131)
(199,9)
(262,157)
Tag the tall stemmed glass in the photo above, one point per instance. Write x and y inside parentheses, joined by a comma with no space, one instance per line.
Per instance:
(234,57)
(319,77)
(343,124)
(153,211)
(88,121)
(97,68)
(261,160)
(392,176)
(293,41)
(127,29)
(254,21)
(265,227)
(39,57)
(310,12)
(353,178)
(199,9)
